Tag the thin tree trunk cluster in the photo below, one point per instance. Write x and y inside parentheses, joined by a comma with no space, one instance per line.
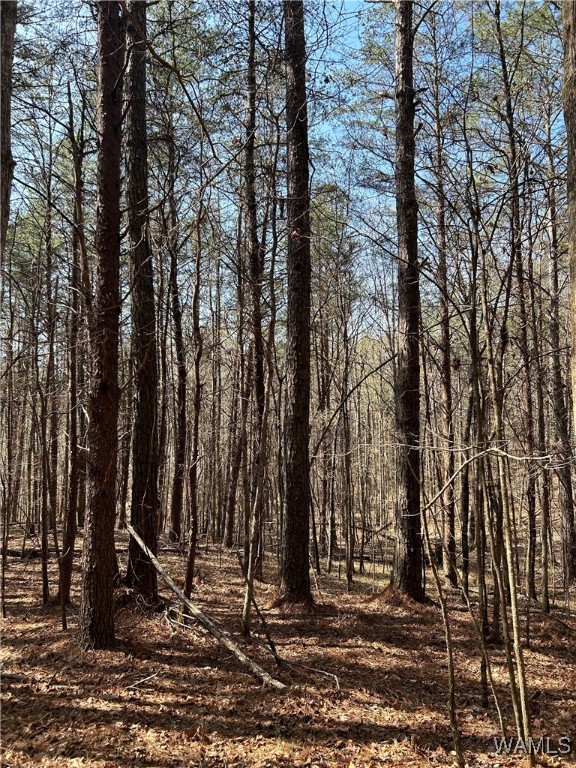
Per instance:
(244,312)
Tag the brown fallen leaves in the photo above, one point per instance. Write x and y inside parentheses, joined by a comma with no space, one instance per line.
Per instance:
(170,696)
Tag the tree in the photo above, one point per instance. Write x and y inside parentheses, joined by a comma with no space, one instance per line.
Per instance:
(8,29)
(177,496)
(144,506)
(256,267)
(407,569)
(77,145)
(514,172)
(491,264)
(295,575)
(559,405)
(98,557)
(448,501)
(569,94)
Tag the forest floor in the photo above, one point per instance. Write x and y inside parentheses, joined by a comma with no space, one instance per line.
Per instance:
(172,696)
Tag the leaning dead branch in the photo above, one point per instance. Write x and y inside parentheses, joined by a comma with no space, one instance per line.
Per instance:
(208,624)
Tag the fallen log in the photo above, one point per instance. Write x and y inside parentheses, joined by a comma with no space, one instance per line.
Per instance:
(207,623)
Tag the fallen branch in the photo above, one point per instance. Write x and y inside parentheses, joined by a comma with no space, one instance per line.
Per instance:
(207,623)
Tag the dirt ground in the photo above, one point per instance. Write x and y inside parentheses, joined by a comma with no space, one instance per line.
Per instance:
(367,676)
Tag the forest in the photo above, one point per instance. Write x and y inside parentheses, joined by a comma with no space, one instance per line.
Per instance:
(288,383)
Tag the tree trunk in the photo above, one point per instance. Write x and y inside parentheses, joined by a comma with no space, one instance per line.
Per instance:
(71,516)
(177,496)
(407,569)
(240,400)
(197,401)
(295,574)
(569,99)
(516,255)
(569,96)
(98,558)
(256,267)
(448,502)
(141,574)
(8,28)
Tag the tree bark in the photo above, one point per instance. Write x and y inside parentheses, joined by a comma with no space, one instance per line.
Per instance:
(256,267)
(8,29)
(141,574)
(559,405)
(98,558)
(243,386)
(407,568)
(448,501)
(295,575)
(256,264)
(71,517)
(569,96)
(197,403)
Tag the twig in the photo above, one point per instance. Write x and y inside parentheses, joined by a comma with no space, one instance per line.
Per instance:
(334,677)
(144,680)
